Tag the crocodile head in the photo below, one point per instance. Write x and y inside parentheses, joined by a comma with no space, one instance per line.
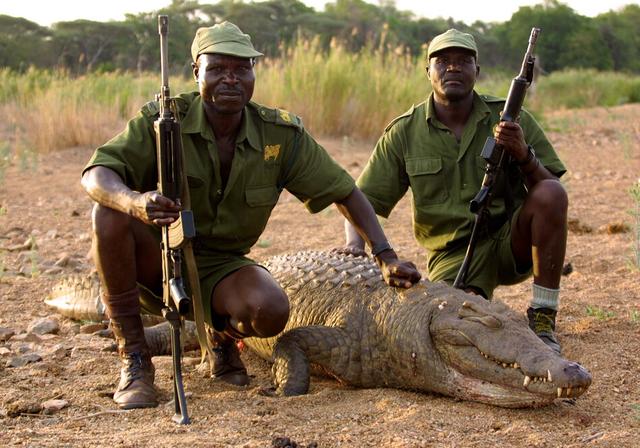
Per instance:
(492,356)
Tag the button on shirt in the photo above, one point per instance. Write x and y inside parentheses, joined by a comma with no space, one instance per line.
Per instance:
(419,152)
(265,159)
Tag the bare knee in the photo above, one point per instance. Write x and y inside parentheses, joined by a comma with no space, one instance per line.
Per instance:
(269,314)
(109,224)
(549,198)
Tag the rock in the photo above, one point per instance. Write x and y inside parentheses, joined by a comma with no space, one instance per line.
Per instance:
(44,326)
(26,337)
(4,351)
(22,347)
(6,333)
(57,352)
(52,406)
(51,234)
(63,260)
(92,328)
(21,361)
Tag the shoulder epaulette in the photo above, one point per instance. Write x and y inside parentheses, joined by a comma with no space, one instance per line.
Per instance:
(398,118)
(181,102)
(278,116)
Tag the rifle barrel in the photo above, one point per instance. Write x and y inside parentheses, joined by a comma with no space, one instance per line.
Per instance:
(163,30)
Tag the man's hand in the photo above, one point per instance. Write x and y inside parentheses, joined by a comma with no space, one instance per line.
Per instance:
(354,250)
(153,208)
(402,274)
(510,136)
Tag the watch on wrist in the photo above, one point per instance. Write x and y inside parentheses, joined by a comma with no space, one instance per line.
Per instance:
(531,154)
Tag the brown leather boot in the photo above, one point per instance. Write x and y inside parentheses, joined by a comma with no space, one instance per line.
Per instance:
(135,389)
(227,365)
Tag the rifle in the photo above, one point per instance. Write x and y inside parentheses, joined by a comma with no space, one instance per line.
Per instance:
(177,235)
(494,155)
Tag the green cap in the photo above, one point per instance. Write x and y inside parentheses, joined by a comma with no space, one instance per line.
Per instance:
(223,38)
(452,39)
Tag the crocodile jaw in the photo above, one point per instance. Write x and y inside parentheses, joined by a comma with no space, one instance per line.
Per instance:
(475,389)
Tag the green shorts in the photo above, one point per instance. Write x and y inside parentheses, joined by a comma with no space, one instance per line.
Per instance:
(492,264)
(212,268)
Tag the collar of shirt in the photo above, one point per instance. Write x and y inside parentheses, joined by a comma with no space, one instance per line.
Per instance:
(479,112)
(195,121)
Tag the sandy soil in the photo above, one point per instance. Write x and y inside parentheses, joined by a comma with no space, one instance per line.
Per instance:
(599,324)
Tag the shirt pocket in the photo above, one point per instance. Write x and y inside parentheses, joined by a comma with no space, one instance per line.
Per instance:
(426,176)
(261,196)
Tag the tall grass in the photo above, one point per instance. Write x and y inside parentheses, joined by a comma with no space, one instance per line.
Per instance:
(336,93)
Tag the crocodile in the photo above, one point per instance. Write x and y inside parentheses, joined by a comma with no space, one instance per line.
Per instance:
(346,322)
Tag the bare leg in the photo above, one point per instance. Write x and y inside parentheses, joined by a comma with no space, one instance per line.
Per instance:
(254,302)
(539,235)
(539,239)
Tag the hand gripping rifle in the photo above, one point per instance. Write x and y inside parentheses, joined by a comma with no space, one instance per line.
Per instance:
(494,155)
(177,235)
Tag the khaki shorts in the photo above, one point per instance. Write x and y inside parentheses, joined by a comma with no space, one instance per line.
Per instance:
(212,268)
(492,264)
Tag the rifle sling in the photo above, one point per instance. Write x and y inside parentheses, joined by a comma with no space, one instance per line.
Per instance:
(192,269)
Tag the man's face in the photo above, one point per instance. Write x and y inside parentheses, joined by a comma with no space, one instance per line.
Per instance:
(453,73)
(225,82)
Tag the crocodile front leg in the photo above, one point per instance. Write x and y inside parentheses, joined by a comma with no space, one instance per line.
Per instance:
(295,350)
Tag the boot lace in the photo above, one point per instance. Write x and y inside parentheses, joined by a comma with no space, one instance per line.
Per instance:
(133,366)
(542,323)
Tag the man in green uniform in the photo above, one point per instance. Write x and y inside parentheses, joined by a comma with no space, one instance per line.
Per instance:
(238,156)
(435,149)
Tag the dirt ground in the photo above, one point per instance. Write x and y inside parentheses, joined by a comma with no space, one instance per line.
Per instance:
(44,220)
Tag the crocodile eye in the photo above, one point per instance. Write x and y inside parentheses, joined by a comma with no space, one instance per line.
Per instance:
(471,311)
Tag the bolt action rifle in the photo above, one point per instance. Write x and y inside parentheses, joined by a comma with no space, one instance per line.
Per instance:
(495,156)
(175,236)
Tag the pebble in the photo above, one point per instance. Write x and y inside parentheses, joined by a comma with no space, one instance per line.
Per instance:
(20,361)
(44,325)
(6,333)
(52,406)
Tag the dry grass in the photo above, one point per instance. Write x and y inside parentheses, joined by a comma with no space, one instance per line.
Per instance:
(337,93)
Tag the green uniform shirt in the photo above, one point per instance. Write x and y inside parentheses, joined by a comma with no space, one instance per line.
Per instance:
(232,220)
(418,151)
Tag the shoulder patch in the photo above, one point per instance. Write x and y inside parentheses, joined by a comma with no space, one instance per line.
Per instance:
(398,118)
(278,116)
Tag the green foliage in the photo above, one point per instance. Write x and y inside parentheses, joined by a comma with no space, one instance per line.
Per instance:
(584,88)
(610,41)
(599,313)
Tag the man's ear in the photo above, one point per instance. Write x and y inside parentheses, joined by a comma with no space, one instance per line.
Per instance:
(427,70)
(477,70)
(195,70)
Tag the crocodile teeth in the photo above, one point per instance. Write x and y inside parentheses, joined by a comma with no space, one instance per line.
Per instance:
(559,392)
(568,391)
(504,364)
(515,365)
(527,380)
(549,375)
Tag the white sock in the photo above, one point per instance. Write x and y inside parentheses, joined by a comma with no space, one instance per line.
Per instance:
(545,297)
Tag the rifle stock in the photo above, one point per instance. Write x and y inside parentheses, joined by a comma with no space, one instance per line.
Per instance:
(170,183)
(494,155)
